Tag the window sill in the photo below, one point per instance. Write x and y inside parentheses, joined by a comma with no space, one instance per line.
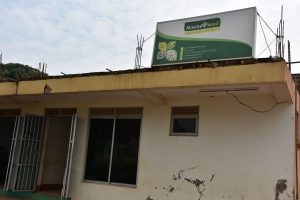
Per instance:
(183,134)
(111,183)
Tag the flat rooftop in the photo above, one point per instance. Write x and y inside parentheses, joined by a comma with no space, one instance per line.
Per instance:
(194,65)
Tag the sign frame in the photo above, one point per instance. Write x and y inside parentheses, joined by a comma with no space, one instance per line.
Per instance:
(214,15)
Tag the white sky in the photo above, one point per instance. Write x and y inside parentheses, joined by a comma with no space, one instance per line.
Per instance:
(77,36)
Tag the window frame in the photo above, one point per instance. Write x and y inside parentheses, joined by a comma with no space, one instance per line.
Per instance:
(114,117)
(184,116)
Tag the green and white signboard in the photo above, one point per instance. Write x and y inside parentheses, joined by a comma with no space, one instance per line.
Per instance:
(221,36)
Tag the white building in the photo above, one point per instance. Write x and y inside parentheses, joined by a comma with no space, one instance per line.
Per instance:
(191,131)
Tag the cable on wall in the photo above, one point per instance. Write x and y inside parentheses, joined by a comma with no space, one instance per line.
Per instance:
(251,108)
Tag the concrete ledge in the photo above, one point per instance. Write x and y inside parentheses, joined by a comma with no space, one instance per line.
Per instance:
(229,75)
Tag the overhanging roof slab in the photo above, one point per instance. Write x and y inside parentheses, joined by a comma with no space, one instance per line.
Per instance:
(258,73)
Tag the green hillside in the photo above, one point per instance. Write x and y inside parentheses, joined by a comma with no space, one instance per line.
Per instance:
(18,71)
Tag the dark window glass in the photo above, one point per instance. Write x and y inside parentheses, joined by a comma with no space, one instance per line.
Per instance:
(184,125)
(125,151)
(7,129)
(99,148)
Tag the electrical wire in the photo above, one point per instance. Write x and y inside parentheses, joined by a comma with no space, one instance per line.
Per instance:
(266,47)
(265,36)
(149,37)
(266,24)
(253,109)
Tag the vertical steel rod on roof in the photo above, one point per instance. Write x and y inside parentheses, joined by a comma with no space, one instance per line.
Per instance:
(283,46)
(280,46)
(282,33)
(277,42)
(289,55)
(139,51)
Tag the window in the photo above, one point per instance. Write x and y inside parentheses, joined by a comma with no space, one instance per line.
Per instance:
(112,154)
(184,121)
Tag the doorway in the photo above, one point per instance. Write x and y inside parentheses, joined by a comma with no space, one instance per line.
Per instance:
(7,124)
(39,152)
(8,119)
(57,152)
(54,156)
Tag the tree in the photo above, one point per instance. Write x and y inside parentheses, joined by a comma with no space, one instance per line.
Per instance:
(18,72)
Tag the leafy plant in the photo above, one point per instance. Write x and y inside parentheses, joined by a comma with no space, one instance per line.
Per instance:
(16,71)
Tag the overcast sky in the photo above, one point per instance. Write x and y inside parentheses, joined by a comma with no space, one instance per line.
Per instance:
(77,36)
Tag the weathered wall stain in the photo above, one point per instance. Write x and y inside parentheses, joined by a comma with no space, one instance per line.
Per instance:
(171,188)
(198,183)
(149,198)
(212,177)
(280,187)
(180,178)
(188,169)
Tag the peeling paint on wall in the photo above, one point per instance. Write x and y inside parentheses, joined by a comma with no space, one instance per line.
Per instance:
(199,184)
(149,198)
(212,177)
(182,180)
(280,188)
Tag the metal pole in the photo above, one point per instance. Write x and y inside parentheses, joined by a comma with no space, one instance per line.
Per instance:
(289,55)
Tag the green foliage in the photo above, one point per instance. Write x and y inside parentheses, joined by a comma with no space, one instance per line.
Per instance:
(18,71)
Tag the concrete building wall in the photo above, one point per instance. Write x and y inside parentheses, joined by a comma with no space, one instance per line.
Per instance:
(242,152)
(238,153)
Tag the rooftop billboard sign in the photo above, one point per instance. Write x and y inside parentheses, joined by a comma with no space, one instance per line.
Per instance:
(221,36)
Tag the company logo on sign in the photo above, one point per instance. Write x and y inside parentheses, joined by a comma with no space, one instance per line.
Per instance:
(202,26)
